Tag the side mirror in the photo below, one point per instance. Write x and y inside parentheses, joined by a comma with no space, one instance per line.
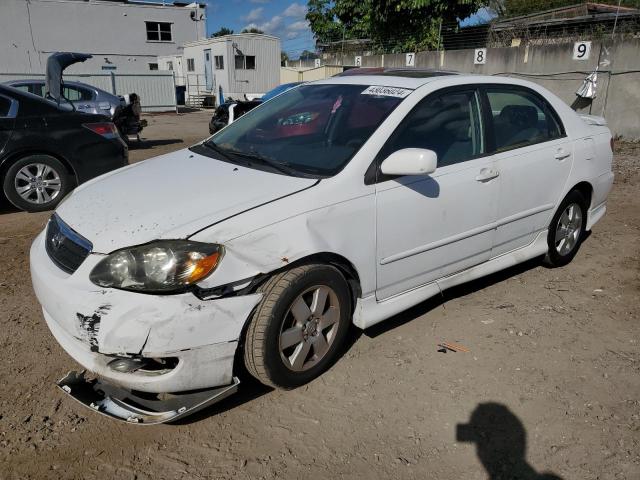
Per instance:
(410,161)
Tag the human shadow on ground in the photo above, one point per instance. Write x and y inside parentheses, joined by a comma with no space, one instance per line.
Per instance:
(501,443)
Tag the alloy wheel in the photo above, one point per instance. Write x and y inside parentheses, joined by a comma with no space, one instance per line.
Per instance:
(568,229)
(309,329)
(38,183)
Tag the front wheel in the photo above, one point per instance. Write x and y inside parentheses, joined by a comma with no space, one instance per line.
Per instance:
(299,326)
(566,230)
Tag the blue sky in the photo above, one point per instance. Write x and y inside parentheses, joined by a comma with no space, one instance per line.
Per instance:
(282,18)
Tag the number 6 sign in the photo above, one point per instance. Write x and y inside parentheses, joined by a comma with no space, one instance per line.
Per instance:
(581,50)
(480,57)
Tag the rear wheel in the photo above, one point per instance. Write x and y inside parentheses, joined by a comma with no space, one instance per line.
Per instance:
(299,326)
(566,230)
(36,183)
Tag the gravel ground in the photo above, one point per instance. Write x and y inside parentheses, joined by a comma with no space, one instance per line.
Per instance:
(550,382)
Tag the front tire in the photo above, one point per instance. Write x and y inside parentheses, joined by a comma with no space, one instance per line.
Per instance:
(566,230)
(36,183)
(299,326)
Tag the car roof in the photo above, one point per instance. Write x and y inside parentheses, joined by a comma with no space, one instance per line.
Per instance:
(401,78)
(65,82)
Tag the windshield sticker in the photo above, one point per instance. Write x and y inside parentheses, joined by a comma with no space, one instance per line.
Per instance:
(381,91)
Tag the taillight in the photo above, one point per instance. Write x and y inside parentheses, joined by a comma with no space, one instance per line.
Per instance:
(611,145)
(105,129)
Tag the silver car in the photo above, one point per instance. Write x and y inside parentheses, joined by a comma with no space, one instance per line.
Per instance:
(86,98)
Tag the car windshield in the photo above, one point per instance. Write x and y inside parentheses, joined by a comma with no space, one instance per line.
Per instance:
(313,129)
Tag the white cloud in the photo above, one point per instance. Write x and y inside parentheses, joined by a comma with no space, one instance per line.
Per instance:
(301,25)
(292,35)
(254,15)
(295,10)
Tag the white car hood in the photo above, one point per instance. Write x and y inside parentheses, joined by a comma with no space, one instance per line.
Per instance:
(171,196)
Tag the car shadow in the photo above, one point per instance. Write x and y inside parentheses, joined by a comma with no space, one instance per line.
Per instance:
(501,443)
(145,144)
(451,294)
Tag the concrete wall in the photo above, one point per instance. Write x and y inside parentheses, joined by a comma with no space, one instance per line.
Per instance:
(618,92)
(31,30)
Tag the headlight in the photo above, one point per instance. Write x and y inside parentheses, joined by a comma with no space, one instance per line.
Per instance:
(161,266)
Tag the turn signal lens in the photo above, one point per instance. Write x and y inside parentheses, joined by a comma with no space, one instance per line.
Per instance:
(203,267)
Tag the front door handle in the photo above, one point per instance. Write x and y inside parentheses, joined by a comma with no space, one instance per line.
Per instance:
(487,174)
(561,155)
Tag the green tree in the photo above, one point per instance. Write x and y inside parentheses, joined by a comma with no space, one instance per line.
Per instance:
(525,7)
(221,32)
(251,30)
(284,58)
(389,24)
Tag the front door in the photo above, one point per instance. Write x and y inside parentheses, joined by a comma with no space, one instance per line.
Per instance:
(432,226)
(534,159)
(208,75)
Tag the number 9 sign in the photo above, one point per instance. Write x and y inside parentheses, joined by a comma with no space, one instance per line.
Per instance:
(581,50)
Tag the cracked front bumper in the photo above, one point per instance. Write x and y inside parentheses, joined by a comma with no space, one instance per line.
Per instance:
(95,325)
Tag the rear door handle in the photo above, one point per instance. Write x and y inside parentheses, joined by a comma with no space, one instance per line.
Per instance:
(561,155)
(487,174)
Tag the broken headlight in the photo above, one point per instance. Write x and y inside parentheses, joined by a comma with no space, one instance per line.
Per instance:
(158,267)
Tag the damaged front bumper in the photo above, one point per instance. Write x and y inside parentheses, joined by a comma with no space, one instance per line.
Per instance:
(123,404)
(195,339)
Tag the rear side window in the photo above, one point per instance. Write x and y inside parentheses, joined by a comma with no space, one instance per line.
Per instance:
(75,94)
(5,106)
(521,118)
(449,123)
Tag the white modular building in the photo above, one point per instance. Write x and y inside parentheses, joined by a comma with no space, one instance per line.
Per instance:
(240,65)
(124,36)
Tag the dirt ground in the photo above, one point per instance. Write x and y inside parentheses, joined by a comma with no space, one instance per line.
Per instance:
(550,382)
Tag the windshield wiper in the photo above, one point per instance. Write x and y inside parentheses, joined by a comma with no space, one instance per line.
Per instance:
(220,151)
(281,167)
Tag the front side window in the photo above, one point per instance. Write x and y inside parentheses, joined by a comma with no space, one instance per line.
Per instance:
(312,129)
(159,32)
(219,62)
(191,65)
(521,118)
(448,123)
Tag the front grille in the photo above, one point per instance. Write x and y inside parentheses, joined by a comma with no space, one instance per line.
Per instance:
(65,247)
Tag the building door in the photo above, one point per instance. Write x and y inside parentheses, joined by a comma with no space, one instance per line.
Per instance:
(208,73)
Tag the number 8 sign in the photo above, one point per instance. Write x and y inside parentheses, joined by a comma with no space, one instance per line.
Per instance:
(581,50)
(480,56)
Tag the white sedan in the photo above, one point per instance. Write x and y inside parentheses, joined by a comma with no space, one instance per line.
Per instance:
(340,202)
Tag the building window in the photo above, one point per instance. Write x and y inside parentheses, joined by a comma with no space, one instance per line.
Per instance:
(153,66)
(159,32)
(219,61)
(191,65)
(169,65)
(245,62)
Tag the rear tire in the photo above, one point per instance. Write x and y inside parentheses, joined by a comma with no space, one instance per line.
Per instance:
(36,183)
(566,230)
(299,326)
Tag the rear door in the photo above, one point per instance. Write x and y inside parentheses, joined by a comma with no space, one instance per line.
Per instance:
(533,156)
(8,112)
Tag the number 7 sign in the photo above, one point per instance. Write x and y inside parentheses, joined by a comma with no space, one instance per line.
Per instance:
(410,60)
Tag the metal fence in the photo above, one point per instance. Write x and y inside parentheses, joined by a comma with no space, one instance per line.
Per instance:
(157,91)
